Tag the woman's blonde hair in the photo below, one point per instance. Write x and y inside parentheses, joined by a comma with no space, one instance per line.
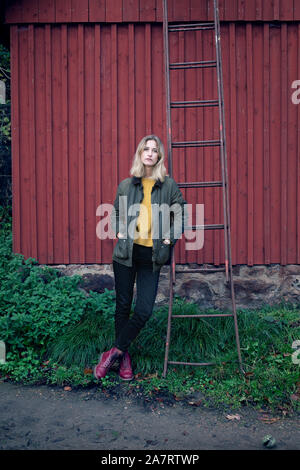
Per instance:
(138,168)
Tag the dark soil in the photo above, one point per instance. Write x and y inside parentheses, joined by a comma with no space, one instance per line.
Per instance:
(45,417)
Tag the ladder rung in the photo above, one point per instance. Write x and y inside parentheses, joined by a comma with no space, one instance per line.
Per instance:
(191,27)
(197,143)
(201,184)
(192,363)
(205,227)
(204,315)
(194,104)
(193,65)
(200,270)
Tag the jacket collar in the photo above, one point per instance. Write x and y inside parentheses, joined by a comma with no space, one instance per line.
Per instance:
(138,180)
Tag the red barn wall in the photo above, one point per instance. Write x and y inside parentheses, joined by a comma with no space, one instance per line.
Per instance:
(84,94)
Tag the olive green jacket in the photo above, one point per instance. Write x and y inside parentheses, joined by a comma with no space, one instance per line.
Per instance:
(166,198)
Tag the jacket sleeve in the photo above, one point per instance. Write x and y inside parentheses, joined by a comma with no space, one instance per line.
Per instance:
(179,215)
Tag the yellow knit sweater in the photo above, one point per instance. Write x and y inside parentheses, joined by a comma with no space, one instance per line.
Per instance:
(143,227)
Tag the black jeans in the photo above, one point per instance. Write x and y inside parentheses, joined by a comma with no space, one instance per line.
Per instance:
(127,329)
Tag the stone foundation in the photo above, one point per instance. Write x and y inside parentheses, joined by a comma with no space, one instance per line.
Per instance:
(254,286)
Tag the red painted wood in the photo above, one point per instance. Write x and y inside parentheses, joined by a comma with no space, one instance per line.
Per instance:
(266,150)
(73,142)
(291,147)
(97,133)
(131,10)
(147,10)
(284,144)
(15,130)
(81,154)
(231,127)
(63,11)
(80,11)
(30,11)
(49,145)
(258,134)
(42,11)
(83,104)
(46,11)
(40,144)
(250,149)
(114,11)
(97,10)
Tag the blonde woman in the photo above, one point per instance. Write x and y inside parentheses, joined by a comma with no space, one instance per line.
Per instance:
(146,235)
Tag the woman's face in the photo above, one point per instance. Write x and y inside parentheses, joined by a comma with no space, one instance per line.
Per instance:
(149,155)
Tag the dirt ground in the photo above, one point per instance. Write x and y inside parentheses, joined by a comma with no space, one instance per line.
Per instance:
(45,417)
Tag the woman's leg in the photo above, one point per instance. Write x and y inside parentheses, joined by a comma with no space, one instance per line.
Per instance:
(147,284)
(124,284)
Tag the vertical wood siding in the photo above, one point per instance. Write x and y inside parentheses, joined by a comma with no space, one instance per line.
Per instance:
(83,95)
(118,11)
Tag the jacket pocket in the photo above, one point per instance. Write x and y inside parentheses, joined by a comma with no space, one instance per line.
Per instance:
(121,248)
(163,253)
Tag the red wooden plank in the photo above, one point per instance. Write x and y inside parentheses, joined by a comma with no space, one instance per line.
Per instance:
(40,145)
(268,10)
(266,151)
(250,163)
(241,10)
(131,10)
(131,88)
(296,11)
(242,155)
(250,10)
(232,148)
(89,137)
(49,143)
(292,58)
(284,151)
(46,13)
(97,10)
(276,9)
(140,102)
(31,141)
(147,10)
(148,71)
(81,178)
(258,134)
(123,100)
(198,10)
(114,106)
(63,11)
(259,10)
(159,10)
(114,11)
(80,11)
(181,10)
(286,10)
(97,131)
(231,10)
(73,91)
(30,11)
(275,143)
(65,153)
(15,133)
(57,182)
(25,164)
(222,7)
(13,12)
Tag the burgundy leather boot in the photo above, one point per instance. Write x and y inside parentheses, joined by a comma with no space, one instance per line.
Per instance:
(107,359)
(125,371)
